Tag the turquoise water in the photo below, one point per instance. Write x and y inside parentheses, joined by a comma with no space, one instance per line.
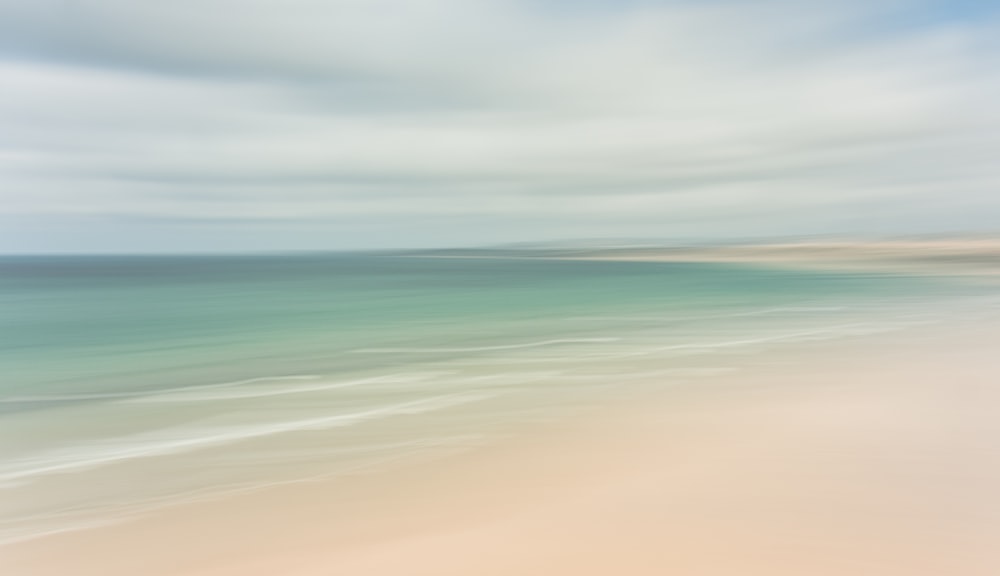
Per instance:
(136,382)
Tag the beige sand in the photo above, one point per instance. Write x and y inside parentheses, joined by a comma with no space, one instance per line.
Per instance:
(942,256)
(926,258)
(857,459)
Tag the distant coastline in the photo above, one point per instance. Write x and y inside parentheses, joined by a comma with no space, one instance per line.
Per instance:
(924,256)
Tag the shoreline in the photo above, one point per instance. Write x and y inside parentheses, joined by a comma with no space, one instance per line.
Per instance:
(868,456)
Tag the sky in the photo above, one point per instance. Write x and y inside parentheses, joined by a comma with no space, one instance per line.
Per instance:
(244,125)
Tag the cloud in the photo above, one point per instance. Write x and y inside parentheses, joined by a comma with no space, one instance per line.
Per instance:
(544,118)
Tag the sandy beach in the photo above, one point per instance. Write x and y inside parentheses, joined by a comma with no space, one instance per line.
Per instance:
(499,288)
(874,457)
(954,256)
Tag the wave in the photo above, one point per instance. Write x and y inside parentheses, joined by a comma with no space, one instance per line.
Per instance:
(617,376)
(485,348)
(20,529)
(790,337)
(139,393)
(160,443)
(761,312)
(198,395)
(833,331)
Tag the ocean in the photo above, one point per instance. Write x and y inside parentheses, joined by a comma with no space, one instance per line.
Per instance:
(133,383)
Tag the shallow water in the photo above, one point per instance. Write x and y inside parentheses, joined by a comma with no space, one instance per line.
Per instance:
(132,383)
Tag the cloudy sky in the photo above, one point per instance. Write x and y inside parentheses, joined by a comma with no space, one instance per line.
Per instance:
(149,125)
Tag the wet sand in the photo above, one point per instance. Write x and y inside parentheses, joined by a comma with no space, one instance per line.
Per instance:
(875,457)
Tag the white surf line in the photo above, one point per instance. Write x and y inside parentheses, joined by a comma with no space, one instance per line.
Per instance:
(679,372)
(196,396)
(62,461)
(513,377)
(748,341)
(315,455)
(485,348)
(151,392)
(123,513)
(764,312)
